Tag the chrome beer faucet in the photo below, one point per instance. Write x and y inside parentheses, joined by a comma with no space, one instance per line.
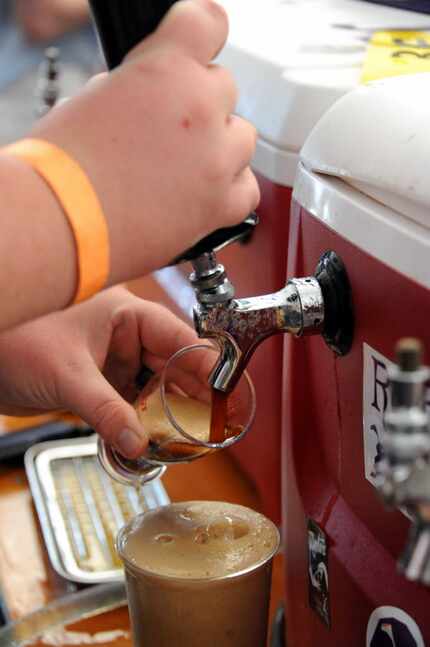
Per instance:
(319,304)
(312,305)
(240,325)
(404,471)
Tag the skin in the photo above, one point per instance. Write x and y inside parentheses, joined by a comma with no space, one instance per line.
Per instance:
(86,359)
(46,20)
(170,163)
(165,155)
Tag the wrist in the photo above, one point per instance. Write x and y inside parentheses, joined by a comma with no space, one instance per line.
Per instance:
(81,207)
(60,127)
(39,248)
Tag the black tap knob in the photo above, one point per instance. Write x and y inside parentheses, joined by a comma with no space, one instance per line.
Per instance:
(220,239)
(122,24)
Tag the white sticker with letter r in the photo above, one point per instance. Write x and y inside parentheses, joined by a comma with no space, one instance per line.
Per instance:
(376,398)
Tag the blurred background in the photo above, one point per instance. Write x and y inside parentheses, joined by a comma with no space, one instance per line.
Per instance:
(27,28)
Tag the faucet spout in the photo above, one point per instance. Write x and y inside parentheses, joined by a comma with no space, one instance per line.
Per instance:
(240,325)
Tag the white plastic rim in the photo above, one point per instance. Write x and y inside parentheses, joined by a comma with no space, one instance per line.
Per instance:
(200,443)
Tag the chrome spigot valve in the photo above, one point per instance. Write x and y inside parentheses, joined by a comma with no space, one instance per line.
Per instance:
(404,472)
(319,304)
(313,305)
(209,279)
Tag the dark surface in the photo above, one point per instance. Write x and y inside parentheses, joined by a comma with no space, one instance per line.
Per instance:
(4,614)
(13,446)
(422,6)
(123,24)
(221,238)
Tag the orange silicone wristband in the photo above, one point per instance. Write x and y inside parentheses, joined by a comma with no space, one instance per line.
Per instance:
(74,192)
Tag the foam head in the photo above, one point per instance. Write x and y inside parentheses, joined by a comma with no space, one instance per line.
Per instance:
(199,540)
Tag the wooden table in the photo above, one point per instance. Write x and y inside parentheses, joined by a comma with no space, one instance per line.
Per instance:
(26,578)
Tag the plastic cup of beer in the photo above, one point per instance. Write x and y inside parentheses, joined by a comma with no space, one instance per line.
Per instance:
(183,417)
(180,413)
(199,575)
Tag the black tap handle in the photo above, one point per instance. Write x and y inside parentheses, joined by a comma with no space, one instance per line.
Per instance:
(220,239)
(122,24)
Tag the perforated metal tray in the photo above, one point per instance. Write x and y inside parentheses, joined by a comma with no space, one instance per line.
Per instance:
(81,509)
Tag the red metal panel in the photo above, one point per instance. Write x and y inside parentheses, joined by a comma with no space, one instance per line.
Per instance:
(322,448)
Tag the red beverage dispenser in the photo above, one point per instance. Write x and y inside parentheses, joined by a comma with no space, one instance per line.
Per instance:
(291,62)
(362,190)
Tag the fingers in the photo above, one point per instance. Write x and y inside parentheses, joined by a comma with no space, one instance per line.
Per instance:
(241,143)
(226,88)
(198,28)
(161,332)
(161,335)
(244,196)
(96,80)
(190,373)
(92,398)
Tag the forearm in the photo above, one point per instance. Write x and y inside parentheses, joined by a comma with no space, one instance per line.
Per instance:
(39,260)
(39,270)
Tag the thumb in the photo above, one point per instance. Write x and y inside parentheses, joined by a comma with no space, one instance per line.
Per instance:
(107,413)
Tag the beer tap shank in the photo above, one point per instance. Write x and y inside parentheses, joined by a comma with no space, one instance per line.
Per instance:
(404,472)
(312,305)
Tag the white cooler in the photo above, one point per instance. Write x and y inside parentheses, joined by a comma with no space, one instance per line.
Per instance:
(363,191)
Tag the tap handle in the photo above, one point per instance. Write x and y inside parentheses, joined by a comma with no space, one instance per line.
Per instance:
(219,239)
(122,24)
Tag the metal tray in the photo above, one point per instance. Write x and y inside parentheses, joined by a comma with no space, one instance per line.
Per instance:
(81,509)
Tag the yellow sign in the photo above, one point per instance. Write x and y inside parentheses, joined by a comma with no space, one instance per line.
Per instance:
(393,53)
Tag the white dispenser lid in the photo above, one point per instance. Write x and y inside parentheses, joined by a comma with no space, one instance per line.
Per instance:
(377,139)
(292,59)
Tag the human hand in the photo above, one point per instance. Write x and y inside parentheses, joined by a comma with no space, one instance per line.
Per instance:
(168,160)
(46,20)
(86,359)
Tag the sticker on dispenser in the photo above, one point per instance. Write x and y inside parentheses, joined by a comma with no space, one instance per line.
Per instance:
(392,626)
(376,399)
(319,597)
(395,53)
